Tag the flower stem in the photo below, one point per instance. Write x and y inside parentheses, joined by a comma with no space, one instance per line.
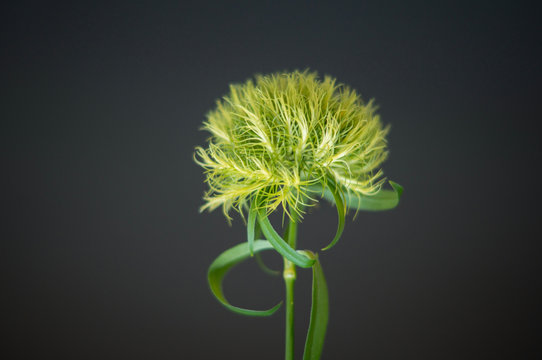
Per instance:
(289,276)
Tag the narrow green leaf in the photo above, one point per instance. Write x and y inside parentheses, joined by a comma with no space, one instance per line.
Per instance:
(383,200)
(259,260)
(341,210)
(398,188)
(251,222)
(266,269)
(280,245)
(314,343)
(223,263)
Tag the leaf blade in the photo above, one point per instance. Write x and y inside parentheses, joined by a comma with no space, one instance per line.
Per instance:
(381,201)
(223,263)
(341,212)
(251,224)
(266,269)
(280,245)
(316,334)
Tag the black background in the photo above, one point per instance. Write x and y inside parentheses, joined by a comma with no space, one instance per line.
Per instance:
(104,253)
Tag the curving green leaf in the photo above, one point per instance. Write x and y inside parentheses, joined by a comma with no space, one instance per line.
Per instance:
(398,188)
(223,263)
(280,245)
(251,223)
(259,260)
(382,200)
(314,343)
(266,269)
(341,211)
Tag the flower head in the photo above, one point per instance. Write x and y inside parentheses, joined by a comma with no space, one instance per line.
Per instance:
(276,137)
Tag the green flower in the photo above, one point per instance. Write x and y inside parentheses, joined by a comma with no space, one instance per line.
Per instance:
(282,136)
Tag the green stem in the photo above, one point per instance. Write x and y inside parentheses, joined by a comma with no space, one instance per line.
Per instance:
(289,275)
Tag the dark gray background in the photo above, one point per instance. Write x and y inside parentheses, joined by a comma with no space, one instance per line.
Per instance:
(104,251)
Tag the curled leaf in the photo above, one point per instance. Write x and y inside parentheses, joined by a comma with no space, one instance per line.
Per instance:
(223,263)
(280,245)
(266,269)
(341,211)
(251,223)
(316,334)
(382,200)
